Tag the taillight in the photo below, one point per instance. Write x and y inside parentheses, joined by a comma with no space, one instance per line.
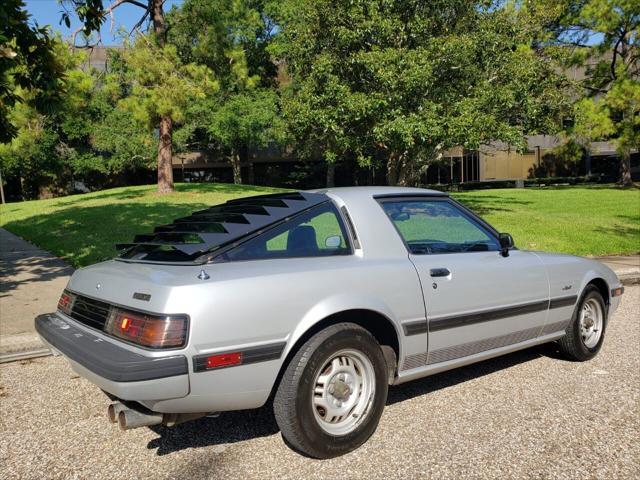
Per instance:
(147,330)
(65,304)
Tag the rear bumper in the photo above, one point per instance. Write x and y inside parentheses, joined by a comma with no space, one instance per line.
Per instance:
(160,383)
(117,370)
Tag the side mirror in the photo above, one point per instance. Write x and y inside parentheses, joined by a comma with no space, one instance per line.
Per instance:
(506,243)
(333,241)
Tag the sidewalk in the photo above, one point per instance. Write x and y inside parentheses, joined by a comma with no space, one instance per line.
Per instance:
(31,281)
(626,267)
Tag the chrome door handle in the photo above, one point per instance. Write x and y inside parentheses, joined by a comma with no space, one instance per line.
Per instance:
(439,272)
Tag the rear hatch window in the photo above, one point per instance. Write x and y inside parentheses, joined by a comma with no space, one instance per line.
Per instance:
(192,239)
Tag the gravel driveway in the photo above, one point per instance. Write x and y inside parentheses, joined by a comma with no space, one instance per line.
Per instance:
(527,415)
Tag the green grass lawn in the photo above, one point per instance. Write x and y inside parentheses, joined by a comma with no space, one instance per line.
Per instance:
(83,229)
(595,220)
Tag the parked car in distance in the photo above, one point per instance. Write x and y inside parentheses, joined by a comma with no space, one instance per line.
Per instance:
(318,300)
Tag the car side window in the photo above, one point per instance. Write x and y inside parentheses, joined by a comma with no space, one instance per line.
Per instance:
(436,226)
(317,233)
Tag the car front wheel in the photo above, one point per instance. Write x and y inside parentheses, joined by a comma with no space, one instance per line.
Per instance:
(585,333)
(332,394)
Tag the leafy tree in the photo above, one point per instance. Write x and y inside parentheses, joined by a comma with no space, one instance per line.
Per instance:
(602,37)
(44,140)
(231,38)
(26,62)
(158,89)
(89,136)
(402,81)
(245,120)
(93,13)
(227,36)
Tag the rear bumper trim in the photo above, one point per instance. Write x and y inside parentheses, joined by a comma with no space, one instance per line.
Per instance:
(103,358)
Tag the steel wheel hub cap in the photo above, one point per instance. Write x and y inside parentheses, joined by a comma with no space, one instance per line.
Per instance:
(591,323)
(343,391)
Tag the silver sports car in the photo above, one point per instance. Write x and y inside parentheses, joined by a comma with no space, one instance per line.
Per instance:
(316,301)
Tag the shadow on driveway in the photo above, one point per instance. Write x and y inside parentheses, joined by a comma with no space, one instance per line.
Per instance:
(232,427)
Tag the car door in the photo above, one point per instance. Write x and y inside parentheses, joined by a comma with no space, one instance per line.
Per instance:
(476,298)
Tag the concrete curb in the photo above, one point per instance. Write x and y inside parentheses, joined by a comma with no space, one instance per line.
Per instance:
(630,279)
(14,357)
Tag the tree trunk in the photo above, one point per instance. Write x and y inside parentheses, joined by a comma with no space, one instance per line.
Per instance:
(625,168)
(331,174)
(165,167)
(165,144)
(393,169)
(400,172)
(252,173)
(235,164)
(405,176)
(159,23)
(1,188)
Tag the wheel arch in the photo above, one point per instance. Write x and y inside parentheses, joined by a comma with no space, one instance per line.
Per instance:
(384,330)
(603,287)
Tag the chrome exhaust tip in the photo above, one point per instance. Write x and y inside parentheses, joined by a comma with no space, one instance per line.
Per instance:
(130,416)
(114,410)
(128,419)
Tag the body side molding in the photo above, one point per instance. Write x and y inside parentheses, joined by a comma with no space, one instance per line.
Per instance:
(453,321)
(261,353)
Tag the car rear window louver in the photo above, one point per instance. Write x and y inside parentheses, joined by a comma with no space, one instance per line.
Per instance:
(187,238)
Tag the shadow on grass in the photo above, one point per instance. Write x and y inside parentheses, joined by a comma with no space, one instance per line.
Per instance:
(130,193)
(83,235)
(592,186)
(484,204)
(626,232)
(86,235)
(233,427)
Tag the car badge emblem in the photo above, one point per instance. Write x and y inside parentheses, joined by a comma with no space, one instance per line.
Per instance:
(98,286)
(203,275)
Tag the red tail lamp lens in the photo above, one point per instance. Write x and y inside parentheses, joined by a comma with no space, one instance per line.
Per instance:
(224,360)
(147,330)
(65,304)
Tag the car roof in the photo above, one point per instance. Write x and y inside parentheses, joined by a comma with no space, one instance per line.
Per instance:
(378,191)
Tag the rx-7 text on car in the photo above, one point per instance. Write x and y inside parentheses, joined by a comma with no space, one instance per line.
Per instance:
(316,300)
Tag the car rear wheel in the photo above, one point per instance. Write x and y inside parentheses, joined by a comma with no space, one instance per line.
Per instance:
(333,391)
(585,333)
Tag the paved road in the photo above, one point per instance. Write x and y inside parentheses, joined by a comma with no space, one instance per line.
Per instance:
(527,415)
(30,284)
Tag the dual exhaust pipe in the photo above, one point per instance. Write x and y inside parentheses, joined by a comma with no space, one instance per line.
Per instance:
(129,417)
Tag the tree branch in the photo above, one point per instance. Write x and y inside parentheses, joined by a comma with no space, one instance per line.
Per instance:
(137,26)
(75,34)
(615,54)
(109,11)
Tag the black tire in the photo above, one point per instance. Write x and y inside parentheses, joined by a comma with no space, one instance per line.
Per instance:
(293,408)
(572,345)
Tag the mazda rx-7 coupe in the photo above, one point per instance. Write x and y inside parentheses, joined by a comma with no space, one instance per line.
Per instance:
(316,301)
